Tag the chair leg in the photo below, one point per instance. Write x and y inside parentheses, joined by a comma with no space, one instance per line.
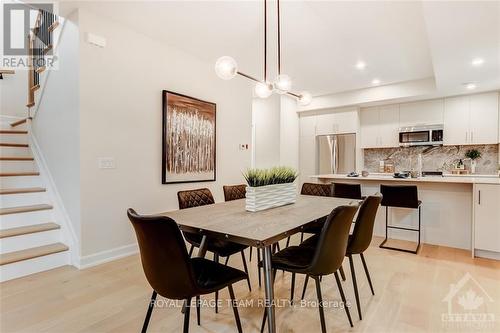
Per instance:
(355,286)
(339,285)
(198,310)
(305,287)
(246,269)
(191,250)
(288,241)
(258,267)
(342,274)
(186,316)
(251,248)
(235,308)
(301,237)
(292,288)
(367,273)
(148,313)
(320,305)
(227,259)
(216,259)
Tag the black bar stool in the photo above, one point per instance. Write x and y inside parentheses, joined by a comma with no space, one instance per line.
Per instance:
(401,196)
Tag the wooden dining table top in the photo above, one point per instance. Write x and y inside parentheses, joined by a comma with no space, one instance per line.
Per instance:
(230,220)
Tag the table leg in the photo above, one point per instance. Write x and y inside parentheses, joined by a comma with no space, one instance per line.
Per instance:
(203,247)
(268,282)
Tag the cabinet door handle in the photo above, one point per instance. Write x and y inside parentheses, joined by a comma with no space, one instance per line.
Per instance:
(479,196)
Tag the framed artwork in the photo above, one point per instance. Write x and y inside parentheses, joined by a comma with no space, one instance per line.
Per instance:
(189,139)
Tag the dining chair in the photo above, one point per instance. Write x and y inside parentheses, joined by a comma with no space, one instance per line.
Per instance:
(359,241)
(220,248)
(324,259)
(347,191)
(172,273)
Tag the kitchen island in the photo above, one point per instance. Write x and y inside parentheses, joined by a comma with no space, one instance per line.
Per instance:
(457,211)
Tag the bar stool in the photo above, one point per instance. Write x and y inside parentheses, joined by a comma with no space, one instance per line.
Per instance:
(401,196)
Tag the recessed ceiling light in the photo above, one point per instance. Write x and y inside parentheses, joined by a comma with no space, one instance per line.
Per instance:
(375,82)
(470,85)
(477,62)
(360,65)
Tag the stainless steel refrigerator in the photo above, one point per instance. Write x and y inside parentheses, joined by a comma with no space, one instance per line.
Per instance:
(336,153)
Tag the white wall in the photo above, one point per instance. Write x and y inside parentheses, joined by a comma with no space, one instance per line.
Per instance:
(13,99)
(56,125)
(266,123)
(121,117)
(289,132)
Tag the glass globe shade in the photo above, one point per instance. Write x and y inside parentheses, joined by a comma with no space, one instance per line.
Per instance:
(226,68)
(305,98)
(283,84)
(263,90)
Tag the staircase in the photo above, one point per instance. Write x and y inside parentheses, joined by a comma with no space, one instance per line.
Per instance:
(30,238)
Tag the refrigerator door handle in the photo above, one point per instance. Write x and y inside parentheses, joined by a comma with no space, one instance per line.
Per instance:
(335,150)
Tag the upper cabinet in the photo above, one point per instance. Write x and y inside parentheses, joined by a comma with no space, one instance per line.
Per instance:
(379,126)
(471,119)
(421,113)
(338,122)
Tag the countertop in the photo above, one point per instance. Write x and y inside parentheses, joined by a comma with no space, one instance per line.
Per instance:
(430,179)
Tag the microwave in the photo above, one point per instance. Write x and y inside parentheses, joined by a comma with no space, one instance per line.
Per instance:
(428,135)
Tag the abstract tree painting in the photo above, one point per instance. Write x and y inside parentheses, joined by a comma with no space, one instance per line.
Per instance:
(189,139)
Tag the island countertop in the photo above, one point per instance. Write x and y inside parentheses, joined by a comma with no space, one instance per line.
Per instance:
(429,179)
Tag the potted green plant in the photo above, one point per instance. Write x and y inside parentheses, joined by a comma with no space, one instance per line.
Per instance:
(268,188)
(473,155)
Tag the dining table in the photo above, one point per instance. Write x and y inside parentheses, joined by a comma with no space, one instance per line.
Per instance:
(231,221)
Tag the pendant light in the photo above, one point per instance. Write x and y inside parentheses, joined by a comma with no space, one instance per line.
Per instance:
(227,68)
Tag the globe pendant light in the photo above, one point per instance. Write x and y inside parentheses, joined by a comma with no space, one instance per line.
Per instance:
(263,90)
(305,98)
(226,68)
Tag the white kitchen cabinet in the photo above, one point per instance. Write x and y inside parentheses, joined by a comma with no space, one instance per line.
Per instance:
(456,120)
(471,119)
(379,126)
(421,113)
(307,126)
(484,118)
(339,122)
(326,124)
(487,217)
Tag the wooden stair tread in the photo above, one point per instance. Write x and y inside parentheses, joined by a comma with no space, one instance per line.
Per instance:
(13,132)
(16,158)
(29,229)
(19,122)
(21,190)
(19,174)
(24,209)
(34,252)
(20,145)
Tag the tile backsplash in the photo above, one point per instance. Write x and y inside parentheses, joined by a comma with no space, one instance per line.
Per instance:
(443,158)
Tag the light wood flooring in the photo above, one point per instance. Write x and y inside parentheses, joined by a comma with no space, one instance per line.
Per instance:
(112,297)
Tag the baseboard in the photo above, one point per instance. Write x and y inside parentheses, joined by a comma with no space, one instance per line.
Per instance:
(487,254)
(107,256)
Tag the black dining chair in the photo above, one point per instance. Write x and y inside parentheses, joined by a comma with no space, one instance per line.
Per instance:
(347,191)
(324,259)
(220,248)
(172,273)
(359,241)
(401,196)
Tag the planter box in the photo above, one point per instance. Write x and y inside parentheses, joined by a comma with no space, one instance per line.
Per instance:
(265,197)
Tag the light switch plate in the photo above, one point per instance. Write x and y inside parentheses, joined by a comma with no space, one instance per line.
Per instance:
(96,40)
(106,162)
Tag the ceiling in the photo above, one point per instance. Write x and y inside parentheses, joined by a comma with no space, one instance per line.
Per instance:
(323,40)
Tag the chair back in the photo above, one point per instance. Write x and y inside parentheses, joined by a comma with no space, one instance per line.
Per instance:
(195,198)
(234,192)
(363,228)
(332,244)
(322,190)
(348,191)
(163,255)
(405,196)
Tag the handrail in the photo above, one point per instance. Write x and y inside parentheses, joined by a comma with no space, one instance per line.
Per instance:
(39,45)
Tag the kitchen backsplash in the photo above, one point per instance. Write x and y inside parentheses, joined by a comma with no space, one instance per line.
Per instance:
(443,158)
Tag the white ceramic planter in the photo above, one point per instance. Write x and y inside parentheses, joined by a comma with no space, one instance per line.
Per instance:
(265,197)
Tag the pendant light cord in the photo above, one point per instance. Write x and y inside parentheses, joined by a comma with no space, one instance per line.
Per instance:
(265,41)
(279,39)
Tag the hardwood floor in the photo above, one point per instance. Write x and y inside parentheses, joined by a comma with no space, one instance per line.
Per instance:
(113,297)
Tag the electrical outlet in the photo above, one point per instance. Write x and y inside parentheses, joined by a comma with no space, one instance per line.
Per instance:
(243,146)
(106,163)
